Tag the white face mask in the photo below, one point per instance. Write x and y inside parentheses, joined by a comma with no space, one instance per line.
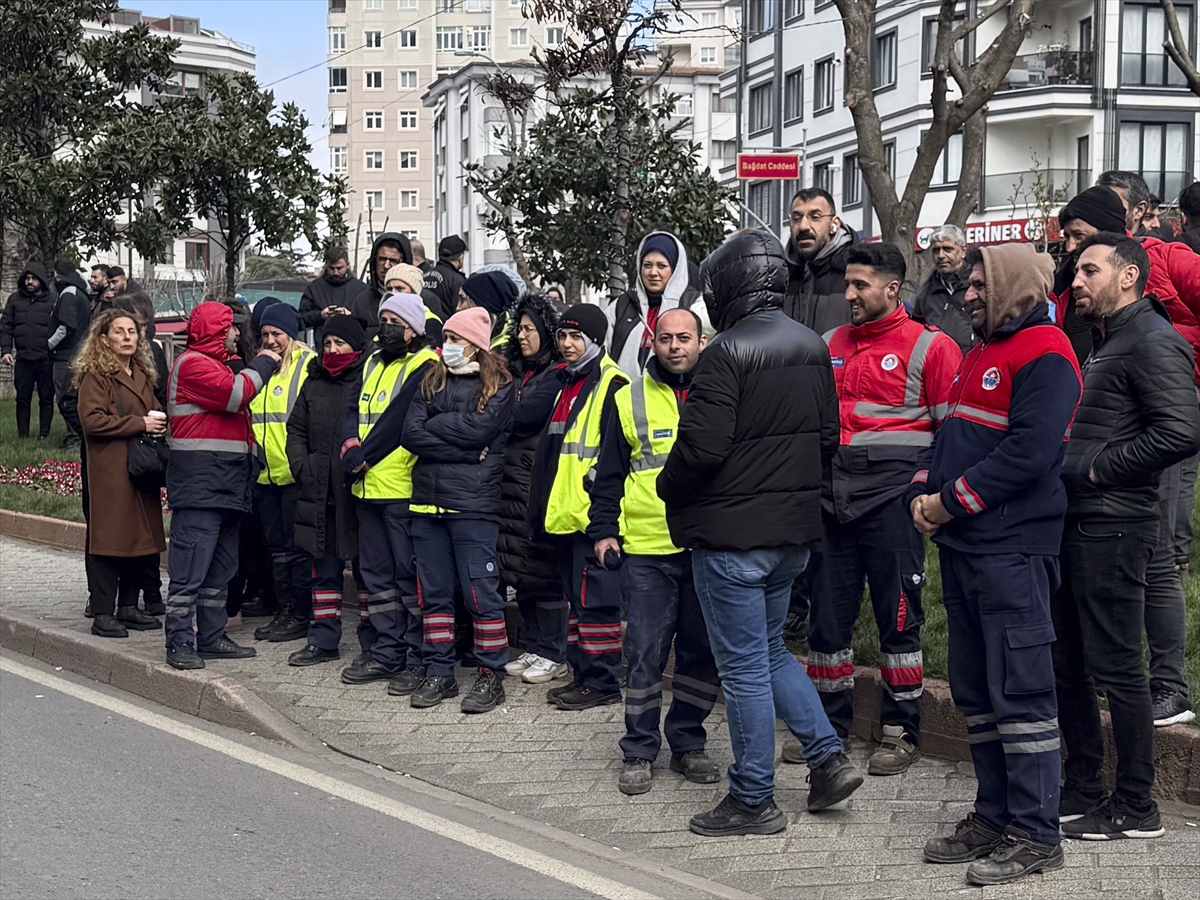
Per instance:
(453,355)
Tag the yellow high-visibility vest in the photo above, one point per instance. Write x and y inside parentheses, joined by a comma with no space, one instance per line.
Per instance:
(569,504)
(650,421)
(391,479)
(269,411)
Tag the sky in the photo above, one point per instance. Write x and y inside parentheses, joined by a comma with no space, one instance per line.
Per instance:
(287,36)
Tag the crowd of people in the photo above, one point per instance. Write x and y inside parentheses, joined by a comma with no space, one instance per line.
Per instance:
(718,451)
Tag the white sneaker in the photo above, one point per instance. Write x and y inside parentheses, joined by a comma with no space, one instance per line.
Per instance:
(521,663)
(545,670)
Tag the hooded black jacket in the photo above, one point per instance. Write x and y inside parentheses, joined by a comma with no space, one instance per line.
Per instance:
(941,302)
(761,418)
(460,451)
(322,293)
(1138,416)
(816,291)
(72,311)
(527,563)
(365,305)
(314,439)
(28,319)
(442,283)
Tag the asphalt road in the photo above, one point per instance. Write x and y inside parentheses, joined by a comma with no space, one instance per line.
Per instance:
(111,796)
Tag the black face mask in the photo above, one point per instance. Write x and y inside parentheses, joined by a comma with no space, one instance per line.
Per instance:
(391,338)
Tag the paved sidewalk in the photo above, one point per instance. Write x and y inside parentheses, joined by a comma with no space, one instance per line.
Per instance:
(560,768)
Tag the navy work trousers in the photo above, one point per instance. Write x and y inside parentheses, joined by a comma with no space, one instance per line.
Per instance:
(325,628)
(594,625)
(203,558)
(391,631)
(291,571)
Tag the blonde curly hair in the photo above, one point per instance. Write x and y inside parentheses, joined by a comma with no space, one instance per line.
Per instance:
(97,357)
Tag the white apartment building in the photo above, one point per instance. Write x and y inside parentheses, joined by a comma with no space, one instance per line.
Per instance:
(202,54)
(1090,90)
(470,125)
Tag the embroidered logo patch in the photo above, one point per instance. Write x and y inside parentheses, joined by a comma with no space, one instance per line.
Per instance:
(991,379)
(366,398)
(889,362)
(491,567)
(663,434)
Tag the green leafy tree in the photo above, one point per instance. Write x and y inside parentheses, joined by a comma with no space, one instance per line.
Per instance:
(334,211)
(243,165)
(73,146)
(270,267)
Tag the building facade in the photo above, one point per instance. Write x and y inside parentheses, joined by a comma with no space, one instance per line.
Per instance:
(1089,90)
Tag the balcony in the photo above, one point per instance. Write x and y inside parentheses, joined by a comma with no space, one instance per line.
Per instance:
(337,6)
(733,55)
(1045,188)
(1053,68)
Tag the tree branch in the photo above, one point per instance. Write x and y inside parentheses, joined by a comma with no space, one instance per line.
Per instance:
(1177,47)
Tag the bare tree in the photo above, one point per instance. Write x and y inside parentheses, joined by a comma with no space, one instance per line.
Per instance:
(1176,47)
(976,82)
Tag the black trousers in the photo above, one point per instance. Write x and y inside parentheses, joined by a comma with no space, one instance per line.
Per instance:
(1098,616)
(31,374)
(68,398)
(116,581)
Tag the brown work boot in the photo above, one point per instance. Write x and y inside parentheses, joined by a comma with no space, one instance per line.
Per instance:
(893,756)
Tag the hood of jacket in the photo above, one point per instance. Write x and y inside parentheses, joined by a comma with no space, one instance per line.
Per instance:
(207,327)
(843,239)
(74,280)
(548,313)
(1022,279)
(405,252)
(746,274)
(38,271)
(678,282)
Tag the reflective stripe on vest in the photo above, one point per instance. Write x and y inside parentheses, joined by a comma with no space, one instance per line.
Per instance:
(912,410)
(650,422)
(391,479)
(569,503)
(269,411)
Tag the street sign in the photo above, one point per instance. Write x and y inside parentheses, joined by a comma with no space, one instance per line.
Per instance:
(784,166)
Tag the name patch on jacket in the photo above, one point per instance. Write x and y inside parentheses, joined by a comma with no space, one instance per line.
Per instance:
(663,434)
(838,361)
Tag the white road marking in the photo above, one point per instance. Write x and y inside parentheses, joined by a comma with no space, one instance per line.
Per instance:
(486,843)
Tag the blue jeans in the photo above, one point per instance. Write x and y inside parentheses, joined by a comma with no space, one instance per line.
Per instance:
(745,597)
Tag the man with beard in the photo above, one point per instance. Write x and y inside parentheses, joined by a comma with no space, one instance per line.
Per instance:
(123,284)
(1138,416)
(97,282)
(941,301)
(329,294)
(389,249)
(24,342)
(816,258)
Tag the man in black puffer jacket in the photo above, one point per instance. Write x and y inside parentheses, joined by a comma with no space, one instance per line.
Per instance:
(25,331)
(816,256)
(1138,416)
(334,289)
(742,488)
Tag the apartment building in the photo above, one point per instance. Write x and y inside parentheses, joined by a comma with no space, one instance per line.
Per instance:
(1089,90)
(202,54)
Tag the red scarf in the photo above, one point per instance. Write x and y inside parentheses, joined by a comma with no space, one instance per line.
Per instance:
(337,363)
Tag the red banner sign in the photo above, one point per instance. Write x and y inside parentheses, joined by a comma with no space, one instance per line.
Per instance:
(1005,231)
(768,165)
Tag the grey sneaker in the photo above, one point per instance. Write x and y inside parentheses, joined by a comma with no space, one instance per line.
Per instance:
(893,757)
(636,777)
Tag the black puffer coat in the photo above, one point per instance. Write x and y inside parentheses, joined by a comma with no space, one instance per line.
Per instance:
(28,319)
(761,420)
(1138,415)
(449,438)
(526,563)
(321,293)
(314,438)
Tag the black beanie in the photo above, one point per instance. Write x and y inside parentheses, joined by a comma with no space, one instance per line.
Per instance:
(588,319)
(348,328)
(65,268)
(1099,206)
(494,291)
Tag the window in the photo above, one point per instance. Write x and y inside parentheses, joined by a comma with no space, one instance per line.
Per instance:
(761,16)
(852,182)
(1085,35)
(408,199)
(373,5)
(337,81)
(1158,151)
(338,160)
(762,102)
(408,78)
(408,4)
(823,86)
(725,151)
(708,20)
(195,254)
(184,84)
(373,160)
(450,5)
(929,44)
(373,199)
(337,121)
(759,201)
(1083,161)
(823,175)
(479,5)
(708,56)
(408,159)
(373,40)
(889,157)
(793,95)
(481,38)
(372,81)
(412,235)
(883,61)
(184,26)
(685,106)
(408,120)
(129,17)
(723,104)
(337,39)
(554,37)
(449,37)
(408,39)
(1143,30)
(949,163)
(793,9)
(373,120)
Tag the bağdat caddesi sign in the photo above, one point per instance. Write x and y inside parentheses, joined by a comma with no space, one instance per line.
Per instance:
(784,166)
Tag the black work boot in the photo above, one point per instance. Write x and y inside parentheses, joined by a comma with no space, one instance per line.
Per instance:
(732,816)
(581,697)
(832,782)
(636,777)
(183,656)
(109,627)
(1015,857)
(553,692)
(364,670)
(696,766)
(311,655)
(264,632)
(132,617)
(407,681)
(224,648)
(433,690)
(291,628)
(486,694)
(971,840)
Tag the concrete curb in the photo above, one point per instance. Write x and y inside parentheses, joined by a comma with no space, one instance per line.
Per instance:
(215,698)
(57,533)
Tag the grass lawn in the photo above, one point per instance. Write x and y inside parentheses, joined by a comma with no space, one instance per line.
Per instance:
(16,454)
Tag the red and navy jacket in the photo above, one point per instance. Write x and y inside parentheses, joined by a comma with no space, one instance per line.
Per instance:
(893,381)
(997,458)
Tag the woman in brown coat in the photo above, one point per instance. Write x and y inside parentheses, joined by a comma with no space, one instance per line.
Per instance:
(115,374)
